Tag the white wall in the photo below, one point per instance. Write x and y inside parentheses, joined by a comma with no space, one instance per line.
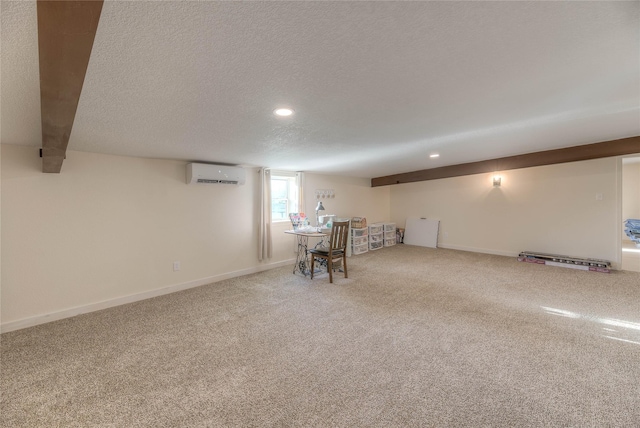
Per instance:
(108,228)
(549,209)
(354,197)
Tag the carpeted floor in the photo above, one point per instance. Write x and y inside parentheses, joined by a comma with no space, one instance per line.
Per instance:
(415,337)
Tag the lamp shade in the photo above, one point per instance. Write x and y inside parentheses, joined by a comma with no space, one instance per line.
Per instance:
(320,207)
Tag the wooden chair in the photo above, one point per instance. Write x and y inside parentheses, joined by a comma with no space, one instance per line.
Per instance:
(337,248)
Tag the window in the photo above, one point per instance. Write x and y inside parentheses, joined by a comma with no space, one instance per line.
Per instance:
(285,195)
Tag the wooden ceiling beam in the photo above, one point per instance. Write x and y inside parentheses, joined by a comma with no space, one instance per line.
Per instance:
(625,146)
(66,30)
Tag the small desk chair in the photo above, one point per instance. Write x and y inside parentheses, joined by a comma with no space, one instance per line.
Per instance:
(337,248)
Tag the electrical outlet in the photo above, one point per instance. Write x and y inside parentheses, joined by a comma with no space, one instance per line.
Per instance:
(176,266)
(598,196)
(445,234)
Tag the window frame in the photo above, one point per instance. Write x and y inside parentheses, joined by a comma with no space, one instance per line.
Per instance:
(293,203)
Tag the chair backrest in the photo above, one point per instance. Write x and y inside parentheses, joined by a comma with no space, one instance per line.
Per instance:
(339,236)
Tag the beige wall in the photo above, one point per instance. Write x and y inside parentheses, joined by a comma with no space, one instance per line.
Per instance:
(109,227)
(549,209)
(354,197)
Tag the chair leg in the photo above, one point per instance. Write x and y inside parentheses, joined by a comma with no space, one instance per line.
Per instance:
(344,265)
(312,259)
(330,269)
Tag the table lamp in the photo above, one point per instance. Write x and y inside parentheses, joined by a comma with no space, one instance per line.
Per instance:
(318,208)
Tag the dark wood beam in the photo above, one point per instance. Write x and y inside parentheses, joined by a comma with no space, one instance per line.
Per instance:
(66,30)
(625,146)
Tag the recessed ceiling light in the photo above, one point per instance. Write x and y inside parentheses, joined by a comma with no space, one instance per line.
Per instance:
(434,155)
(283,112)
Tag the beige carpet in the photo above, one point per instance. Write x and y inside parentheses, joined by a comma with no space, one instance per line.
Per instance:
(415,337)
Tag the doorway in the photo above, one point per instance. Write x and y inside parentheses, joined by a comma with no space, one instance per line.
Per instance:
(630,210)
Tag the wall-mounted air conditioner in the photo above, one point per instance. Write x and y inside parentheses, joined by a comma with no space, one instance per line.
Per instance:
(215,174)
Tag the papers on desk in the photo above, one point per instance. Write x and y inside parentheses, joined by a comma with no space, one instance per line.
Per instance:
(298,220)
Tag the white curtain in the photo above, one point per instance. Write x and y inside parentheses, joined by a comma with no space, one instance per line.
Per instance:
(264,233)
(300,184)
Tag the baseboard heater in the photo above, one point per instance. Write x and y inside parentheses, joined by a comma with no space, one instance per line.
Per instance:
(593,265)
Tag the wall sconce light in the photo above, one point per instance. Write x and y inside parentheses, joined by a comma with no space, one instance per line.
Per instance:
(497,181)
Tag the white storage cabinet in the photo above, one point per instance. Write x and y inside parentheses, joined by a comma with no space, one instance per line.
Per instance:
(359,241)
(376,236)
(389,238)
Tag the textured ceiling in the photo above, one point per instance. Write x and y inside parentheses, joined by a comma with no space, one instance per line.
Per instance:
(376,86)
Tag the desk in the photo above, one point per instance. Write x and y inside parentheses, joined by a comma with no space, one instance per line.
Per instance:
(302,261)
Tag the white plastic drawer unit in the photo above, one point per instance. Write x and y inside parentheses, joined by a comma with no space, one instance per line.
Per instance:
(359,249)
(359,232)
(390,235)
(390,227)
(390,242)
(375,245)
(376,228)
(359,240)
(375,238)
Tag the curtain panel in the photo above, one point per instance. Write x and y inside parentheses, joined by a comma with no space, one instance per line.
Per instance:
(300,184)
(265,246)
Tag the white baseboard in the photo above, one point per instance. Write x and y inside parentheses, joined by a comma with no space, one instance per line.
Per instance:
(92,307)
(614,265)
(479,250)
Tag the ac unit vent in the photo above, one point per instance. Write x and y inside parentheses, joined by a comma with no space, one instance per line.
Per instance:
(215,174)
(208,181)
